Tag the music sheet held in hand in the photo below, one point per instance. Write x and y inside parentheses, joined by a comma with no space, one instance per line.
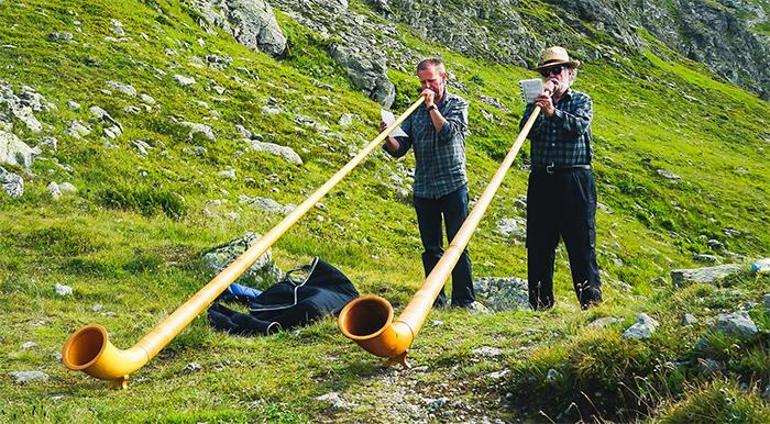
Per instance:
(389,119)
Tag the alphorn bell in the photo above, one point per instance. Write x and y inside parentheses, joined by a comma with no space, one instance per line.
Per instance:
(368,320)
(89,348)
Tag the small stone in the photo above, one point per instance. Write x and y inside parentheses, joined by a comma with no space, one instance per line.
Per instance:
(710,275)
(227,173)
(709,366)
(644,327)
(124,88)
(117,27)
(147,99)
(192,367)
(184,81)
(604,322)
(73,105)
(11,184)
(705,258)
(60,36)
(689,319)
(62,290)
(737,324)
(202,129)
(766,301)
(67,188)
(487,351)
(28,376)
(53,189)
(336,401)
(436,323)
(552,375)
(668,175)
(345,120)
(715,244)
(766,393)
(28,345)
(499,374)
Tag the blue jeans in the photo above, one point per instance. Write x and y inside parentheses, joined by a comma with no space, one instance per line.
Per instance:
(454,209)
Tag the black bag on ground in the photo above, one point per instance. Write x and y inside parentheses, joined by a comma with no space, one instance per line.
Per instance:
(325,290)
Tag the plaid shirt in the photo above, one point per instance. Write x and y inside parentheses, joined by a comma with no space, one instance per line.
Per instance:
(439,156)
(565,138)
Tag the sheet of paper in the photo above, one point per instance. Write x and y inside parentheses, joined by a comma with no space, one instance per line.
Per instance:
(530,89)
(389,119)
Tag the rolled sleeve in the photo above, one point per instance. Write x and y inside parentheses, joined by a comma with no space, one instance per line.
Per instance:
(456,125)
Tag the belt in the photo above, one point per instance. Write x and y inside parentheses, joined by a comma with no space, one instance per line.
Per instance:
(552,169)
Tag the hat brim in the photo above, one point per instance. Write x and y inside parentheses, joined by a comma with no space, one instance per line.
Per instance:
(573,63)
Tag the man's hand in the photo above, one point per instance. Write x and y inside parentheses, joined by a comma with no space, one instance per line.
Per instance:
(546,104)
(382,126)
(430,97)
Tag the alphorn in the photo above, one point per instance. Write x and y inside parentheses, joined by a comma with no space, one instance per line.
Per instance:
(90,350)
(368,320)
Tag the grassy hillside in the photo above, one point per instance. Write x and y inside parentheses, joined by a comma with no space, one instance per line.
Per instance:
(131,238)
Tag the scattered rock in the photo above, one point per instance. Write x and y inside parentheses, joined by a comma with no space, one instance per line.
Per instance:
(97,307)
(28,345)
(499,374)
(710,275)
(552,376)
(604,322)
(67,188)
(345,120)
(117,28)
(766,299)
(705,258)
(709,366)
(642,329)
(766,393)
(15,152)
(60,36)
(147,99)
(124,88)
(736,324)
(49,143)
(336,401)
(53,189)
(12,184)
(285,152)
(191,368)
(513,226)
(689,319)
(73,105)
(28,376)
(266,204)
(77,130)
(668,175)
(184,81)
(502,294)
(142,147)
(487,351)
(715,244)
(227,173)
(201,129)
(367,70)
(263,273)
(62,290)
(251,22)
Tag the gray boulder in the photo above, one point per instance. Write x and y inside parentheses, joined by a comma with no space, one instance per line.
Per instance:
(124,88)
(262,273)
(266,204)
(737,324)
(251,22)
(201,129)
(367,70)
(11,183)
(502,294)
(285,152)
(15,152)
(28,376)
(513,227)
(643,328)
(184,81)
(709,275)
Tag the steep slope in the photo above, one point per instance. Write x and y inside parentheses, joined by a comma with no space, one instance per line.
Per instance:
(177,141)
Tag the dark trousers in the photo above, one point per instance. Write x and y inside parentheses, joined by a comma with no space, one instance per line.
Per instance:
(454,209)
(562,204)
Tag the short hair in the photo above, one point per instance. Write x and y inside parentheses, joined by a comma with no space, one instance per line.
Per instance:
(436,62)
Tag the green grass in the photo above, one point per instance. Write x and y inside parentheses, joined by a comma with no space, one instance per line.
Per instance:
(132,237)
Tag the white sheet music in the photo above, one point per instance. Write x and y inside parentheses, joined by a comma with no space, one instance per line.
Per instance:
(530,89)
(389,119)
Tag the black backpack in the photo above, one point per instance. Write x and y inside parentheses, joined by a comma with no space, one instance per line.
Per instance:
(289,303)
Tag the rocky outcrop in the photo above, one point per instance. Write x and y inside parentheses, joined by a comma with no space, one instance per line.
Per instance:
(362,47)
(506,31)
(11,183)
(15,152)
(262,273)
(251,22)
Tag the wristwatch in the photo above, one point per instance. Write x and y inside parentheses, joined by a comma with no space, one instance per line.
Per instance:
(431,107)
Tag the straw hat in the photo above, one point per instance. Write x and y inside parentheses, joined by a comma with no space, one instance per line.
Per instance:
(556,55)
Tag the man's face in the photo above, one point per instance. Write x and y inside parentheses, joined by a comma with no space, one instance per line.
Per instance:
(559,75)
(433,78)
